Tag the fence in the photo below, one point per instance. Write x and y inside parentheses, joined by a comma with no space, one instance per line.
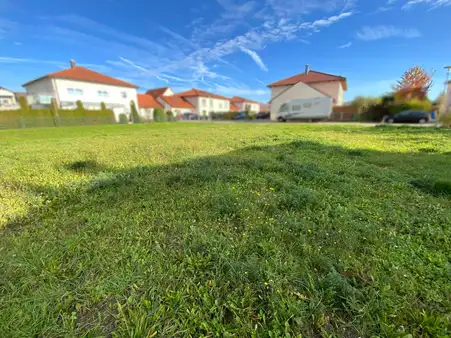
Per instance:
(36,118)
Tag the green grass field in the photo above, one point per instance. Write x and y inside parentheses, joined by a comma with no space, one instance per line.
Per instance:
(225,230)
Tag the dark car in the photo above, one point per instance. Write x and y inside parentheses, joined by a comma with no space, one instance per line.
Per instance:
(263,116)
(408,116)
(240,116)
(190,116)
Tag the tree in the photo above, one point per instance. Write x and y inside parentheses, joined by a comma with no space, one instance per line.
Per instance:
(24,103)
(135,115)
(414,78)
(158,115)
(79,106)
(102,106)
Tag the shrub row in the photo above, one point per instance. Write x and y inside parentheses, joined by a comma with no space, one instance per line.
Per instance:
(29,118)
(376,112)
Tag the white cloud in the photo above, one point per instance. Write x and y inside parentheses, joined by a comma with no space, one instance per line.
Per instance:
(432,3)
(258,60)
(369,33)
(233,91)
(346,45)
(383,9)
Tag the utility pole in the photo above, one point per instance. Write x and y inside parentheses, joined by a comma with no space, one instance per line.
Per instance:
(445,93)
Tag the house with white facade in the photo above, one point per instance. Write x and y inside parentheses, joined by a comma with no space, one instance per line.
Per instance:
(307,85)
(7,99)
(242,104)
(81,84)
(194,101)
(147,105)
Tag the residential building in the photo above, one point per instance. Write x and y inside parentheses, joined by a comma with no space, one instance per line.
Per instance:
(242,104)
(157,92)
(306,85)
(176,104)
(192,101)
(147,105)
(7,99)
(81,84)
(205,102)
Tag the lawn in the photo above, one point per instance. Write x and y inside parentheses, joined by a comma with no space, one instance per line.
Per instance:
(225,230)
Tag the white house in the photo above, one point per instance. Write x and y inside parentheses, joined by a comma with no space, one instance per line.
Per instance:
(7,99)
(78,83)
(242,104)
(307,85)
(192,101)
(147,105)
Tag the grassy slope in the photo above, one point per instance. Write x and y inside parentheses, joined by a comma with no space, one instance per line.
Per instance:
(250,230)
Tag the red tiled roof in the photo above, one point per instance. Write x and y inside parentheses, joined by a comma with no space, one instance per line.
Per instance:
(197,92)
(157,92)
(311,77)
(233,107)
(242,99)
(147,101)
(175,101)
(84,74)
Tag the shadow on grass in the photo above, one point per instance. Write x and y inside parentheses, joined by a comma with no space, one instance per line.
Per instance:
(299,238)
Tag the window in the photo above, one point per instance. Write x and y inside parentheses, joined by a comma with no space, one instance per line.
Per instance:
(211,103)
(308,105)
(75,91)
(284,108)
(102,93)
(204,102)
(220,105)
(296,107)
(124,95)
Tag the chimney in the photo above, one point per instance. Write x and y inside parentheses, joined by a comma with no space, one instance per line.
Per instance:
(72,63)
(307,69)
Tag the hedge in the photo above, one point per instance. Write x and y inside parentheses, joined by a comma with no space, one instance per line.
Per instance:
(46,118)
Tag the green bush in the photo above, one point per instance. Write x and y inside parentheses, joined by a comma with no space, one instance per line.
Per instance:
(24,103)
(230,115)
(251,115)
(79,105)
(134,113)
(102,106)
(158,115)
(123,119)
(170,116)
(33,118)
(445,119)
(414,104)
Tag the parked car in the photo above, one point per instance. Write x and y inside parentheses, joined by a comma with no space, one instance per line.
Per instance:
(263,116)
(240,116)
(190,116)
(408,116)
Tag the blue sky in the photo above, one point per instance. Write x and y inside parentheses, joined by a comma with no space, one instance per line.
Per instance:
(232,47)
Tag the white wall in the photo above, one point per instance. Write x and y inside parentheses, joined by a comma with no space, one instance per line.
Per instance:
(90,93)
(7,98)
(40,88)
(146,113)
(203,106)
(333,89)
(298,91)
(277,90)
(89,97)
